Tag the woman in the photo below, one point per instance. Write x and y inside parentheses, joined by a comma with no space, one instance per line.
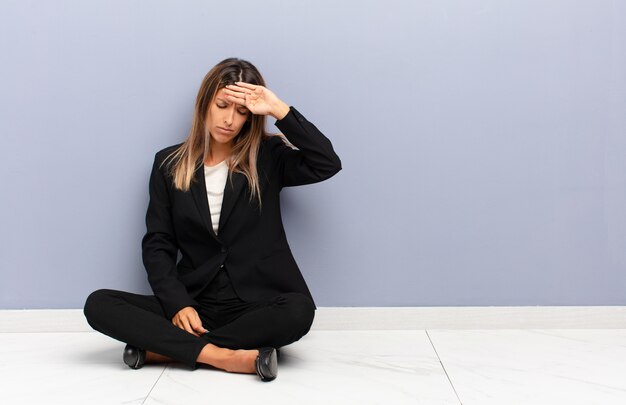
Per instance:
(236,295)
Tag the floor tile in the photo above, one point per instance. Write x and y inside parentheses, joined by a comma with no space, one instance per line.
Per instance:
(69,368)
(535,366)
(332,367)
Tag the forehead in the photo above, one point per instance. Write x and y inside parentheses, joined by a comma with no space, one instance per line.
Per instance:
(220,93)
(220,96)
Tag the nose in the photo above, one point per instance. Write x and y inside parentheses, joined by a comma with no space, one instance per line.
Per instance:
(229,116)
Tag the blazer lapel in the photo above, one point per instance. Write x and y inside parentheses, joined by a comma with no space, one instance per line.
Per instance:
(198,190)
(231,193)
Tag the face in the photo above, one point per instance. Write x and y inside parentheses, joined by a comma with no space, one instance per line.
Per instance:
(224,119)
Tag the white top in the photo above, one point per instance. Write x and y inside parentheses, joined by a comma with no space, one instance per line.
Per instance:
(215,179)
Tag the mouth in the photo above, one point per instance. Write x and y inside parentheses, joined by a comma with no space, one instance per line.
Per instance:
(225,130)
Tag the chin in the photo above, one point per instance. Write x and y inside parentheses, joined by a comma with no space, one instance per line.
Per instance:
(223,139)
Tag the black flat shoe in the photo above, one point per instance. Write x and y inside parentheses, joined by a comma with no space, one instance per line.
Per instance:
(134,357)
(267,364)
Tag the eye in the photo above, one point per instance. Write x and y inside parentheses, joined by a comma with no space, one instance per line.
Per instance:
(221,105)
(243,112)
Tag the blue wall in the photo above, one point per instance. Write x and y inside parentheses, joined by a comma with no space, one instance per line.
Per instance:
(483,143)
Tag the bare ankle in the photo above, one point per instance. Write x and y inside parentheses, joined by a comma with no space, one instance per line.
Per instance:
(229,360)
(152,357)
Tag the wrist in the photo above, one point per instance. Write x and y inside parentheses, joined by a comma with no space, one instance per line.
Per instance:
(280,110)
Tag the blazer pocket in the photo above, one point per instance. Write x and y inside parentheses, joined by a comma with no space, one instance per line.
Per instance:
(281,261)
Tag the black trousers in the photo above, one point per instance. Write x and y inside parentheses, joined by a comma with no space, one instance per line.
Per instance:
(232,323)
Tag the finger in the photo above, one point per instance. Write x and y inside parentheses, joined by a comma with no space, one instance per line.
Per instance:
(197,326)
(247,85)
(238,89)
(192,328)
(195,322)
(235,89)
(236,94)
(236,100)
(188,327)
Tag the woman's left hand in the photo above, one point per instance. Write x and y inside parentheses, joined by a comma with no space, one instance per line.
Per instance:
(258,99)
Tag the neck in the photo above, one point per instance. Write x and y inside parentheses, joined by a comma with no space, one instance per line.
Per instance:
(217,152)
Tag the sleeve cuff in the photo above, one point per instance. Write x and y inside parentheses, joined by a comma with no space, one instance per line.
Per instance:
(291,115)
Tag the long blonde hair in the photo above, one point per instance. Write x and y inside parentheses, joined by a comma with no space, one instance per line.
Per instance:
(185,160)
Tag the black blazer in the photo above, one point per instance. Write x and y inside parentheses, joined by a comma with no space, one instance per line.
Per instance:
(251,243)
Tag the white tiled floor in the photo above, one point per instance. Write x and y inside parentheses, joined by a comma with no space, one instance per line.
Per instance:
(333,367)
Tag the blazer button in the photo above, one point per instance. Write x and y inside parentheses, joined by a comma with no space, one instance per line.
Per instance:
(223,249)
(222,266)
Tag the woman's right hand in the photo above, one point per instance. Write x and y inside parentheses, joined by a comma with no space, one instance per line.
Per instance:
(189,320)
